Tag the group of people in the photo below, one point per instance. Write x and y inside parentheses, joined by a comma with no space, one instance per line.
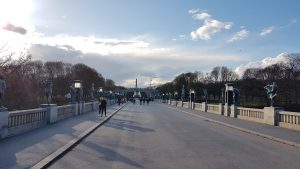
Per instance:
(102,106)
(143,100)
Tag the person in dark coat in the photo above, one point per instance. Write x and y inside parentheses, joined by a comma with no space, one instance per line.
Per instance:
(103,106)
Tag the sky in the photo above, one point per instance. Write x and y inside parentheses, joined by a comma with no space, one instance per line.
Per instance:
(153,40)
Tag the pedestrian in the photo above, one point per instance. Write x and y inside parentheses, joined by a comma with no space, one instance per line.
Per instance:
(99,105)
(144,99)
(148,100)
(103,106)
(119,100)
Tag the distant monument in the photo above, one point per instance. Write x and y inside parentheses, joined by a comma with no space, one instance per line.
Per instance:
(272,91)
(137,94)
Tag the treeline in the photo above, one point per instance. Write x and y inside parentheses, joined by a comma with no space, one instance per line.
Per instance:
(251,84)
(25,87)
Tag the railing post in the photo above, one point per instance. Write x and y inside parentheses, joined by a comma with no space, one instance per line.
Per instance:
(226,110)
(271,115)
(221,109)
(233,110)
(3,122)
(204,107)
(51,112)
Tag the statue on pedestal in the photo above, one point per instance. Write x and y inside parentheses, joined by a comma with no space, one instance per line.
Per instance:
(236,96)
(92,91)
(2,90)
(205,95)
(48,90)
(272,91)
(73,93)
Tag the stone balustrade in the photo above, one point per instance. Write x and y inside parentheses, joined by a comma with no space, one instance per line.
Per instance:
(16,122)
(269,115)
(185,104)
(25,120)
(289,120)
(256,115)
(66,111)
(213,108)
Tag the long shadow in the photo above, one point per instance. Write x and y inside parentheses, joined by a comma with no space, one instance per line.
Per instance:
(111,155)
(127,125)
(39,142)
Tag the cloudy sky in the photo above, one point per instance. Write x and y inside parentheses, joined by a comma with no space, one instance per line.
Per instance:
(153,39)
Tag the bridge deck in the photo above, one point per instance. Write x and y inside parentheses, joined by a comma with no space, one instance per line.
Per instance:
(154,136)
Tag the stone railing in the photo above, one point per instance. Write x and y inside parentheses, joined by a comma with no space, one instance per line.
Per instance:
(64,112)
(25,120)
(198,106)
(185,104)
(16,122)
(179,103)
(213,108)
(88,107)
(174,103)
(289,120)
(250,114)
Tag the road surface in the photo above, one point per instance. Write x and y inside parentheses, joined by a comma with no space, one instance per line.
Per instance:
(157,137)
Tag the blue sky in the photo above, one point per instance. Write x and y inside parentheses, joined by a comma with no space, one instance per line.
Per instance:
(154,38)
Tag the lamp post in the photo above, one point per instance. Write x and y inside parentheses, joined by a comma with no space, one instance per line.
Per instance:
(192,98)
(78,88)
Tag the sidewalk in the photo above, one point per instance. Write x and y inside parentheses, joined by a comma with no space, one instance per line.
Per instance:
(25,150)
(274,131)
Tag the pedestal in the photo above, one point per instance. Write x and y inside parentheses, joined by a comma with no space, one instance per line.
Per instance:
(51,112)
(3,122)
(271,115)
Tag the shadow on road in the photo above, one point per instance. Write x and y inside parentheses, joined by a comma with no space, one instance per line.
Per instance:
(127,125)
(111,155)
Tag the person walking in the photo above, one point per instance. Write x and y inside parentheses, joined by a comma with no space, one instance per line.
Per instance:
(103,106)
(99,105)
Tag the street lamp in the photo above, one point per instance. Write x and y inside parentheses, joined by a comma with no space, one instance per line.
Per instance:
(78,86)
(192,98)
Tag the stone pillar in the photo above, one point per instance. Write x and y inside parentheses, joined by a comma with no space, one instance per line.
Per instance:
(76,110)
(233,111)
(51,112)
(3,122)
(204,107)
(271,115)
(221,109)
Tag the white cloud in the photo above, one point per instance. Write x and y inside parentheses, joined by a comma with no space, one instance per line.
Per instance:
(239,35)
(210,26)
(268,61)
(267,31)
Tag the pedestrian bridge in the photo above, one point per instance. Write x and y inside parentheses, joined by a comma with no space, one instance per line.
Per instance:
(159,135)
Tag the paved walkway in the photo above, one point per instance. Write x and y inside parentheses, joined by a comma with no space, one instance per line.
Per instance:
(275,131)
(25,150)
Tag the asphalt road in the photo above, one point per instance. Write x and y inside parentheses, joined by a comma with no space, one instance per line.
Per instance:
(157,137)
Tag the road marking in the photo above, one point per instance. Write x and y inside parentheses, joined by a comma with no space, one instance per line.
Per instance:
(47,161)
(266,136)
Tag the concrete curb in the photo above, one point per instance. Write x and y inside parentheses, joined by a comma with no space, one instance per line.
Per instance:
(47,161)
(266,136)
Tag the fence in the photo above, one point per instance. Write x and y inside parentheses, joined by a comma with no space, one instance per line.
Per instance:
(185,104)
(289,120)
(198,106)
